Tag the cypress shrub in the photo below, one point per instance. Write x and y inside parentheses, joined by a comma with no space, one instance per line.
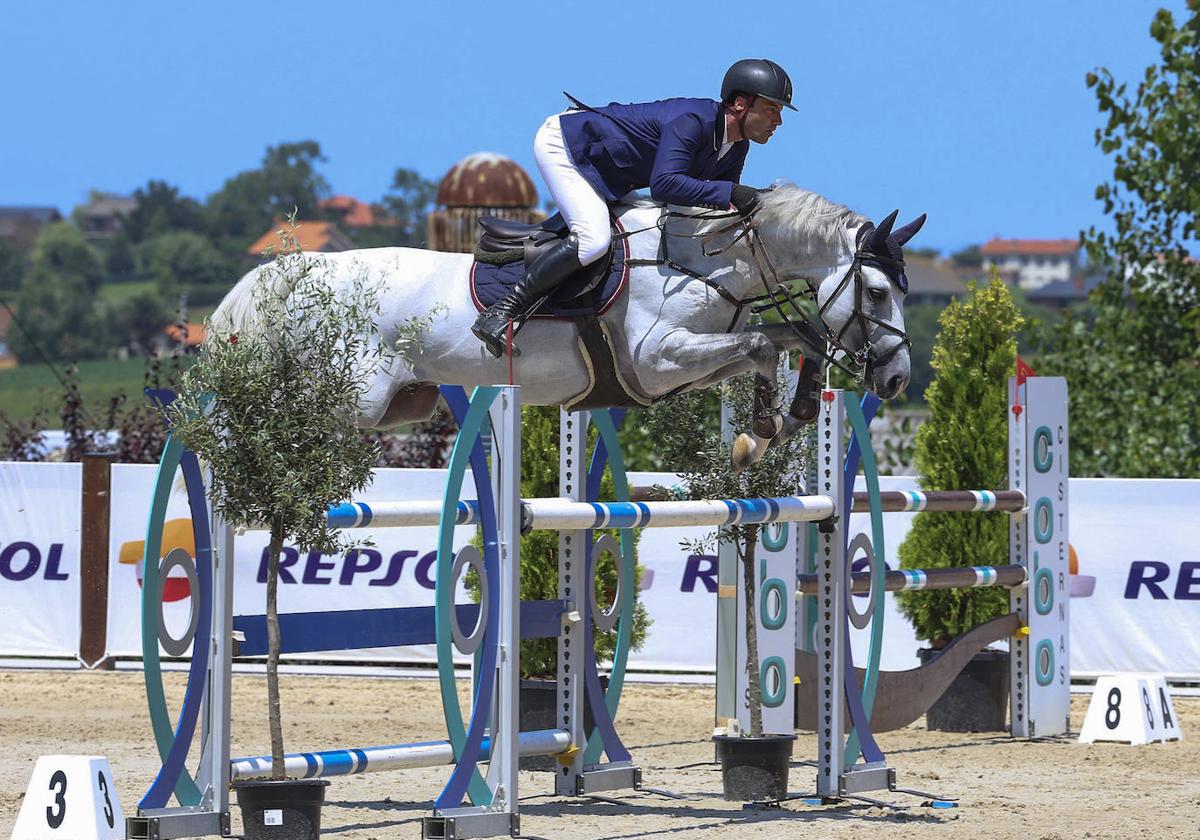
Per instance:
(964,446)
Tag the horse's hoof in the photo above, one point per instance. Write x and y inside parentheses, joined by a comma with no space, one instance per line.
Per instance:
(744,453)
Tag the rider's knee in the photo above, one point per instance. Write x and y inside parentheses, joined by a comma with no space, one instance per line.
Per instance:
(593,243)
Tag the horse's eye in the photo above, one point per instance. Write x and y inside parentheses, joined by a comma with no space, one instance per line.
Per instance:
(878,295)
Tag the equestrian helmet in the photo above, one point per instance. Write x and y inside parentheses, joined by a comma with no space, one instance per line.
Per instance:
(758,77)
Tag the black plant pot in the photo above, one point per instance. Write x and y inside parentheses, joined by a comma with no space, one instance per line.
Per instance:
(977,700)
(538,704)
(288,809)
(754,769)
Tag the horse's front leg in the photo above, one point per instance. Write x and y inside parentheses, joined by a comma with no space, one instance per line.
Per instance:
(765,424)
(806,401)
(707,358)
(685,358)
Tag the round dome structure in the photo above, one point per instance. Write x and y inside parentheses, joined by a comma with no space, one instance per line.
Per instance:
(487,179)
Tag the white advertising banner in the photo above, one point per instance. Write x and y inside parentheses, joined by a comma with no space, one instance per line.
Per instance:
(1135,541)
(395,570)
(40,510)
(1138,538)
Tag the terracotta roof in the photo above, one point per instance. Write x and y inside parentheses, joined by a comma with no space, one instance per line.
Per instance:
(487,179)
(311,236)
(195,333)
(1040,247)
(353,213)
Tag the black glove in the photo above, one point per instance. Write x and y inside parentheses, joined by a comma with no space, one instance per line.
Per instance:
(744,198)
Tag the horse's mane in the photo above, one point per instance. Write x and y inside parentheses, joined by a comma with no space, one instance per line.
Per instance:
(803,214)
(795,212)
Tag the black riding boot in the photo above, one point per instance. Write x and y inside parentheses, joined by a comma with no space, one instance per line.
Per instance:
(559,262)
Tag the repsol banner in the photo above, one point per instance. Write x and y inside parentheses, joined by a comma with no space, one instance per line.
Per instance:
(391,567)
(39,558)
(1138,538)
(1135,600)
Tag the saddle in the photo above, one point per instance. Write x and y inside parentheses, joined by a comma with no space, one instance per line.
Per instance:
(505,241)
(502,254)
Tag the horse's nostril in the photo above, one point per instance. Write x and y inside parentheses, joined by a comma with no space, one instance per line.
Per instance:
(897,384)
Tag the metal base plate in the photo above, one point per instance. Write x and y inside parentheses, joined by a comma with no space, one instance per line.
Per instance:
(867,777)
(608,777)
(166,825)
(455,824)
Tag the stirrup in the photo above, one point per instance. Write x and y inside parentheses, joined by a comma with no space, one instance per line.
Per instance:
(496,345)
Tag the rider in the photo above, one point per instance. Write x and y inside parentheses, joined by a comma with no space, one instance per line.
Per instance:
(687,151)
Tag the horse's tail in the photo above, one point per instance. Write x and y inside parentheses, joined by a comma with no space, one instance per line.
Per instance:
(260,293)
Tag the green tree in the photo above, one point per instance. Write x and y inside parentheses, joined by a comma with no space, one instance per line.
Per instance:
(1133,357)
(969,257)
(12,267)
(137,320)
(187,262)
(55,306)
(964,445)
(702,460)
(245,207)
(160,209)
(408,203)
(120,259)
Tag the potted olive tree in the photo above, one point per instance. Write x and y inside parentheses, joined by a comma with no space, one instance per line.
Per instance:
(271,409)
(754,766)
(964,444)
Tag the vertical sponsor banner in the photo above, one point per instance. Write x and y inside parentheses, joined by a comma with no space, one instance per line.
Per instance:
(39,558)
(1038,539)
(389,567)
(775,615)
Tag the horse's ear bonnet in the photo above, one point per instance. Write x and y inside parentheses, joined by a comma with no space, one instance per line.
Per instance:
(887,246)
(909,230)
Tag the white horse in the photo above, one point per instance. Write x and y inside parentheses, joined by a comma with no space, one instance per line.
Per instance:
(669,332)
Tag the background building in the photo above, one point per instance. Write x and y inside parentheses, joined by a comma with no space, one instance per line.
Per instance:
(482,184)
(310,236)
(1033,263)
(19,226)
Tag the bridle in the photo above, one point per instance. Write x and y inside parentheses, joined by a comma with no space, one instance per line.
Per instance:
(777,290)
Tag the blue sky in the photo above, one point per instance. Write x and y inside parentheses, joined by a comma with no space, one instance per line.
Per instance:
(974,112)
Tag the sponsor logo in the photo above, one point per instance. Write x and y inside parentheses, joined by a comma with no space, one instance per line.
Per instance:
(177,533)
(22,560)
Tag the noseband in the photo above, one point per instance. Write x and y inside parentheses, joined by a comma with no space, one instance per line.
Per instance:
(866,357)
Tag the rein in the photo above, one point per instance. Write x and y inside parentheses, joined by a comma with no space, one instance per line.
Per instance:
(777,287)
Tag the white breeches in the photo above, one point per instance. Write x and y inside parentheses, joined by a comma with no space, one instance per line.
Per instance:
(585,212)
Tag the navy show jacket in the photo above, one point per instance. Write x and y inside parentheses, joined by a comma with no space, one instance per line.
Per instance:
(669,146)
